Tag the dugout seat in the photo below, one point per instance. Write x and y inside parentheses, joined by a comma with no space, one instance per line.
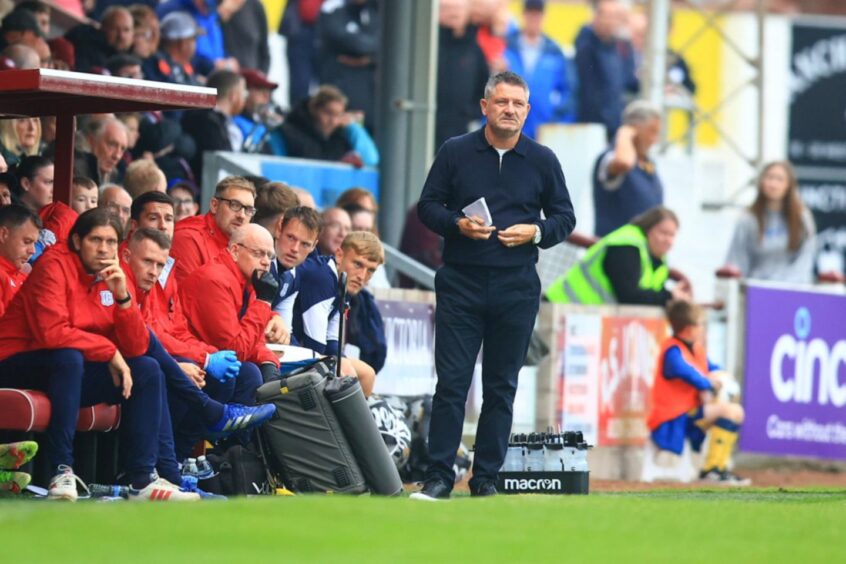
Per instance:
(25,414)
(29,411)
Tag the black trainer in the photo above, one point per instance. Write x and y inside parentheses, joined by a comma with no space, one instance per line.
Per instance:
(433,490)
(485,489)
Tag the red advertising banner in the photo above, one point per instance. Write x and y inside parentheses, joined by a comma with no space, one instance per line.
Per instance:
(628,354)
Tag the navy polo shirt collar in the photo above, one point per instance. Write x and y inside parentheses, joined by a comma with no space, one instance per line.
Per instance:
(482,143)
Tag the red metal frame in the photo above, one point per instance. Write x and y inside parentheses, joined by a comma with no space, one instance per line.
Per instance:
(46,92)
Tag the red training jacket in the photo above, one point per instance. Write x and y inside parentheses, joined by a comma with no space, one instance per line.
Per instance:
(11,280)
(196,241)
(212,299)
(674,397)
(162,311)
(63,306)
(59,218)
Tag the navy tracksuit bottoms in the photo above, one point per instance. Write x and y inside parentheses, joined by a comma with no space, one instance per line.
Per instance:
(493,309)
(72,382)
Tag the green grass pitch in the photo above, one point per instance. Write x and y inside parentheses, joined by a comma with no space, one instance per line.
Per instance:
(666,526)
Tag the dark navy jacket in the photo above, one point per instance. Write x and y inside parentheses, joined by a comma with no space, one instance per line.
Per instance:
(530,180)
(639,190)
(606,72)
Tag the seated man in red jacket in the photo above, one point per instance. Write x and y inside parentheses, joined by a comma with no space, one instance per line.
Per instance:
(227,302)
(192,410)
(201,238)
(19,229)
(684,403)
(75,332)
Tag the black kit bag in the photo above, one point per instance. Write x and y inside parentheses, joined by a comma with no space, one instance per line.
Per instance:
(239,471)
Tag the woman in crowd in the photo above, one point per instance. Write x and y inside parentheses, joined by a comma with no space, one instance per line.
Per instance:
(775,239)
(35,190)
(19,138)
(627,266)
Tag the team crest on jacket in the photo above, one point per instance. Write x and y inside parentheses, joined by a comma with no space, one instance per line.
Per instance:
(106,298)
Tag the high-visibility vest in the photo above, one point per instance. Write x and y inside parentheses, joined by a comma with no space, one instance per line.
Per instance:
(586,281)
(674,397)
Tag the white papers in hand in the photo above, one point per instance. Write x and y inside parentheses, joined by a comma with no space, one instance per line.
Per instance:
(479,208)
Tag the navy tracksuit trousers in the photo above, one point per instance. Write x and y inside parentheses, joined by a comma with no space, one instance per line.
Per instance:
(492,308)
(71,382)
(189,427)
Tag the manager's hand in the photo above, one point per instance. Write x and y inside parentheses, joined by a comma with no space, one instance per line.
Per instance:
(474,228)
(518,234)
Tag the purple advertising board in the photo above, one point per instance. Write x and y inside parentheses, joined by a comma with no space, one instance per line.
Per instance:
(795,374)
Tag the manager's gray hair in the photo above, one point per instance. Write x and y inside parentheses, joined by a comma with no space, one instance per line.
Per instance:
(640,111)
(505,77)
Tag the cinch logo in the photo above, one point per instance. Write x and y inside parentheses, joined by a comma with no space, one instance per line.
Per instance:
(529,484)
(804,360)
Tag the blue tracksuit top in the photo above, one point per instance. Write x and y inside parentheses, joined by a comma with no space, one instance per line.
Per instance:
(551,94)
(529,180)
(316,311)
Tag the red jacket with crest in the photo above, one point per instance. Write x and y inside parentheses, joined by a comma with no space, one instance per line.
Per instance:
(213,299)
(63,306)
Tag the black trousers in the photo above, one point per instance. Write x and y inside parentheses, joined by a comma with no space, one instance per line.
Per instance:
(496,307)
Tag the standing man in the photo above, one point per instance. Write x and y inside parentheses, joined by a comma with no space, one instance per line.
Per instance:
(605,67)
(534,55)
(488,289)
(625,179)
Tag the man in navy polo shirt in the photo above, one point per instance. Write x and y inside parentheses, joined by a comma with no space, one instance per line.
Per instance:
(625,182)
(488,289)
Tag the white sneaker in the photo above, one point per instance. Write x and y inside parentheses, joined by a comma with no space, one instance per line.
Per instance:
(162,490)
(723,478)
(63,485)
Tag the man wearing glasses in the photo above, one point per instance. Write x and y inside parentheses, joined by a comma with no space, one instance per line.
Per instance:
(227,301)
(199,239)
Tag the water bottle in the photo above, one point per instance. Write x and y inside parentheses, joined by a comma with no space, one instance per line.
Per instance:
(553,456)
(204,469)
(581,460)
(513,456)
(534,458)
(190,473)
(569,454)
(189,467)
(104,490)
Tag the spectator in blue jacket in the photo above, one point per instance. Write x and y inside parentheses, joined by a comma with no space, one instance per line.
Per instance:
(209,16)
(534,56)
(605,66)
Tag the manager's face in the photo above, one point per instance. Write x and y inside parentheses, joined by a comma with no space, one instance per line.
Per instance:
(506,109)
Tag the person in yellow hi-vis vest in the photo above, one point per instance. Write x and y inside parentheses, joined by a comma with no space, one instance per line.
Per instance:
(626,266)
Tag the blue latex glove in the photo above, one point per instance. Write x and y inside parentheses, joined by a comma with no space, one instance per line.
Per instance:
(39,248)
(45,239)
(223,365)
